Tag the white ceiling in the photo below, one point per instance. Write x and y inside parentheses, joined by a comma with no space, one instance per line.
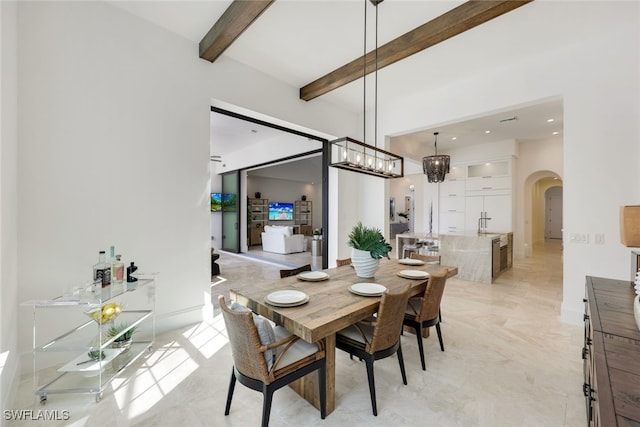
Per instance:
(298,41)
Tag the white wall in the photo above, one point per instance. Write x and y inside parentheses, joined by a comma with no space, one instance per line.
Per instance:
(113,118)
(598,79)
(8,200)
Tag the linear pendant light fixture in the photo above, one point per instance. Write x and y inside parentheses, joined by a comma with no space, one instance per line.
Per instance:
(350,154)
(436,166)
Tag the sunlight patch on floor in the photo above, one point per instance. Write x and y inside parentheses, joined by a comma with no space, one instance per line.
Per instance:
(206,339)
(168,366)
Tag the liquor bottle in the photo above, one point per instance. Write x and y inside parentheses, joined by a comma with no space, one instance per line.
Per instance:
(117,270)
(102,270)
(130,270)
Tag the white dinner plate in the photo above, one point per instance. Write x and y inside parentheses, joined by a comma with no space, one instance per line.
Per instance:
(91,368)
(313,276)
(411,261)
(413,274)
(368,289)
(286,298)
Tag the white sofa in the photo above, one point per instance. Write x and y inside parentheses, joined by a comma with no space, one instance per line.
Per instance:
(281,240)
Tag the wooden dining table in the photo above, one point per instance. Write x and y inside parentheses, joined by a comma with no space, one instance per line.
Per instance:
(331,307)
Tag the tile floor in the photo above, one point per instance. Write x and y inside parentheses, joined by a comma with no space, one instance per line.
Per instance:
(508,362)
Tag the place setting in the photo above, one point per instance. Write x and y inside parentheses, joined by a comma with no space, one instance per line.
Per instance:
(367,289)
(286,298)
(313,276)
(413,274)
(410,261)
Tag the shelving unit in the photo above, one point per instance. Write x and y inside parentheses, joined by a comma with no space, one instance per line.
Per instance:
(303,216)
(62,364)
(258,215)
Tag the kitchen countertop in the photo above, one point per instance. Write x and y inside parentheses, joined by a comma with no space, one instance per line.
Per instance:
(474,233)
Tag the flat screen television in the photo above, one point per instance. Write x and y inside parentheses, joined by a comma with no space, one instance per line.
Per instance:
(279,211)
(223,202)
(216,202)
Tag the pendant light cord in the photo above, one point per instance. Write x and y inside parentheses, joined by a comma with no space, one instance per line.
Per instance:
(364,78)
(375,114)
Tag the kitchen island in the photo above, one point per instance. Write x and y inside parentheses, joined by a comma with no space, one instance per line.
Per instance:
(480,257)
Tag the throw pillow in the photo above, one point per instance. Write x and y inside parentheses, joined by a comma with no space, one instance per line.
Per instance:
(265,331)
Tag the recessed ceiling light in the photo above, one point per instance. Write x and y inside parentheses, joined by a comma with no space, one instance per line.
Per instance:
(454,138)
(487,131)
(550,120)
(555,133)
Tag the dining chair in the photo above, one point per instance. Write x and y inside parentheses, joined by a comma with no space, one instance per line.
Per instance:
(294,271)
(424,312)
(342,262)
(267,360)
(429,259)
(377,337)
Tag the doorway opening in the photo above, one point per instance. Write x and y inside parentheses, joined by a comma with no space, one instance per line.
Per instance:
(269,179)
(543,209)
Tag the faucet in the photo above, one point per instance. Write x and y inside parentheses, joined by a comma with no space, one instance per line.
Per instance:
(482,222)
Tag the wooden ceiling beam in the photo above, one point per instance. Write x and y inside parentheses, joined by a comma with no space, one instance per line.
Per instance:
(237,18)
(454,22)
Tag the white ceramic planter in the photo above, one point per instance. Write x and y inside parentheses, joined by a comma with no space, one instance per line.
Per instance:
(364,265)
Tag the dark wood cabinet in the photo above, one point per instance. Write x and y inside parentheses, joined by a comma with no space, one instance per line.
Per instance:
(611,354)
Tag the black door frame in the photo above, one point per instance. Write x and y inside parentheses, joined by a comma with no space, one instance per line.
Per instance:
(325,150)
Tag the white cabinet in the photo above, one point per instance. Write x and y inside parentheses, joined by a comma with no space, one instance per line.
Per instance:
(489,185)
(476,187)
(452,188)
(456,172)
(452,204)
(489,169)
(452,195)
(497,207)
(451,222)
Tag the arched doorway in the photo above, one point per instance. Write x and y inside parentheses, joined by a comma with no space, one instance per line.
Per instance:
(535,207)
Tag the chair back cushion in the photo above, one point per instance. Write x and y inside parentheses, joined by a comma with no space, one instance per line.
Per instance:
(265,331)
(245,342)
(389,322)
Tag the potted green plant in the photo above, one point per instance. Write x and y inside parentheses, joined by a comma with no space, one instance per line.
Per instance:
(368,247)
(124,340)
(317,234)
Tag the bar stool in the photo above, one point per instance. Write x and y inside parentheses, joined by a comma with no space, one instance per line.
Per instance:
(411,247)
